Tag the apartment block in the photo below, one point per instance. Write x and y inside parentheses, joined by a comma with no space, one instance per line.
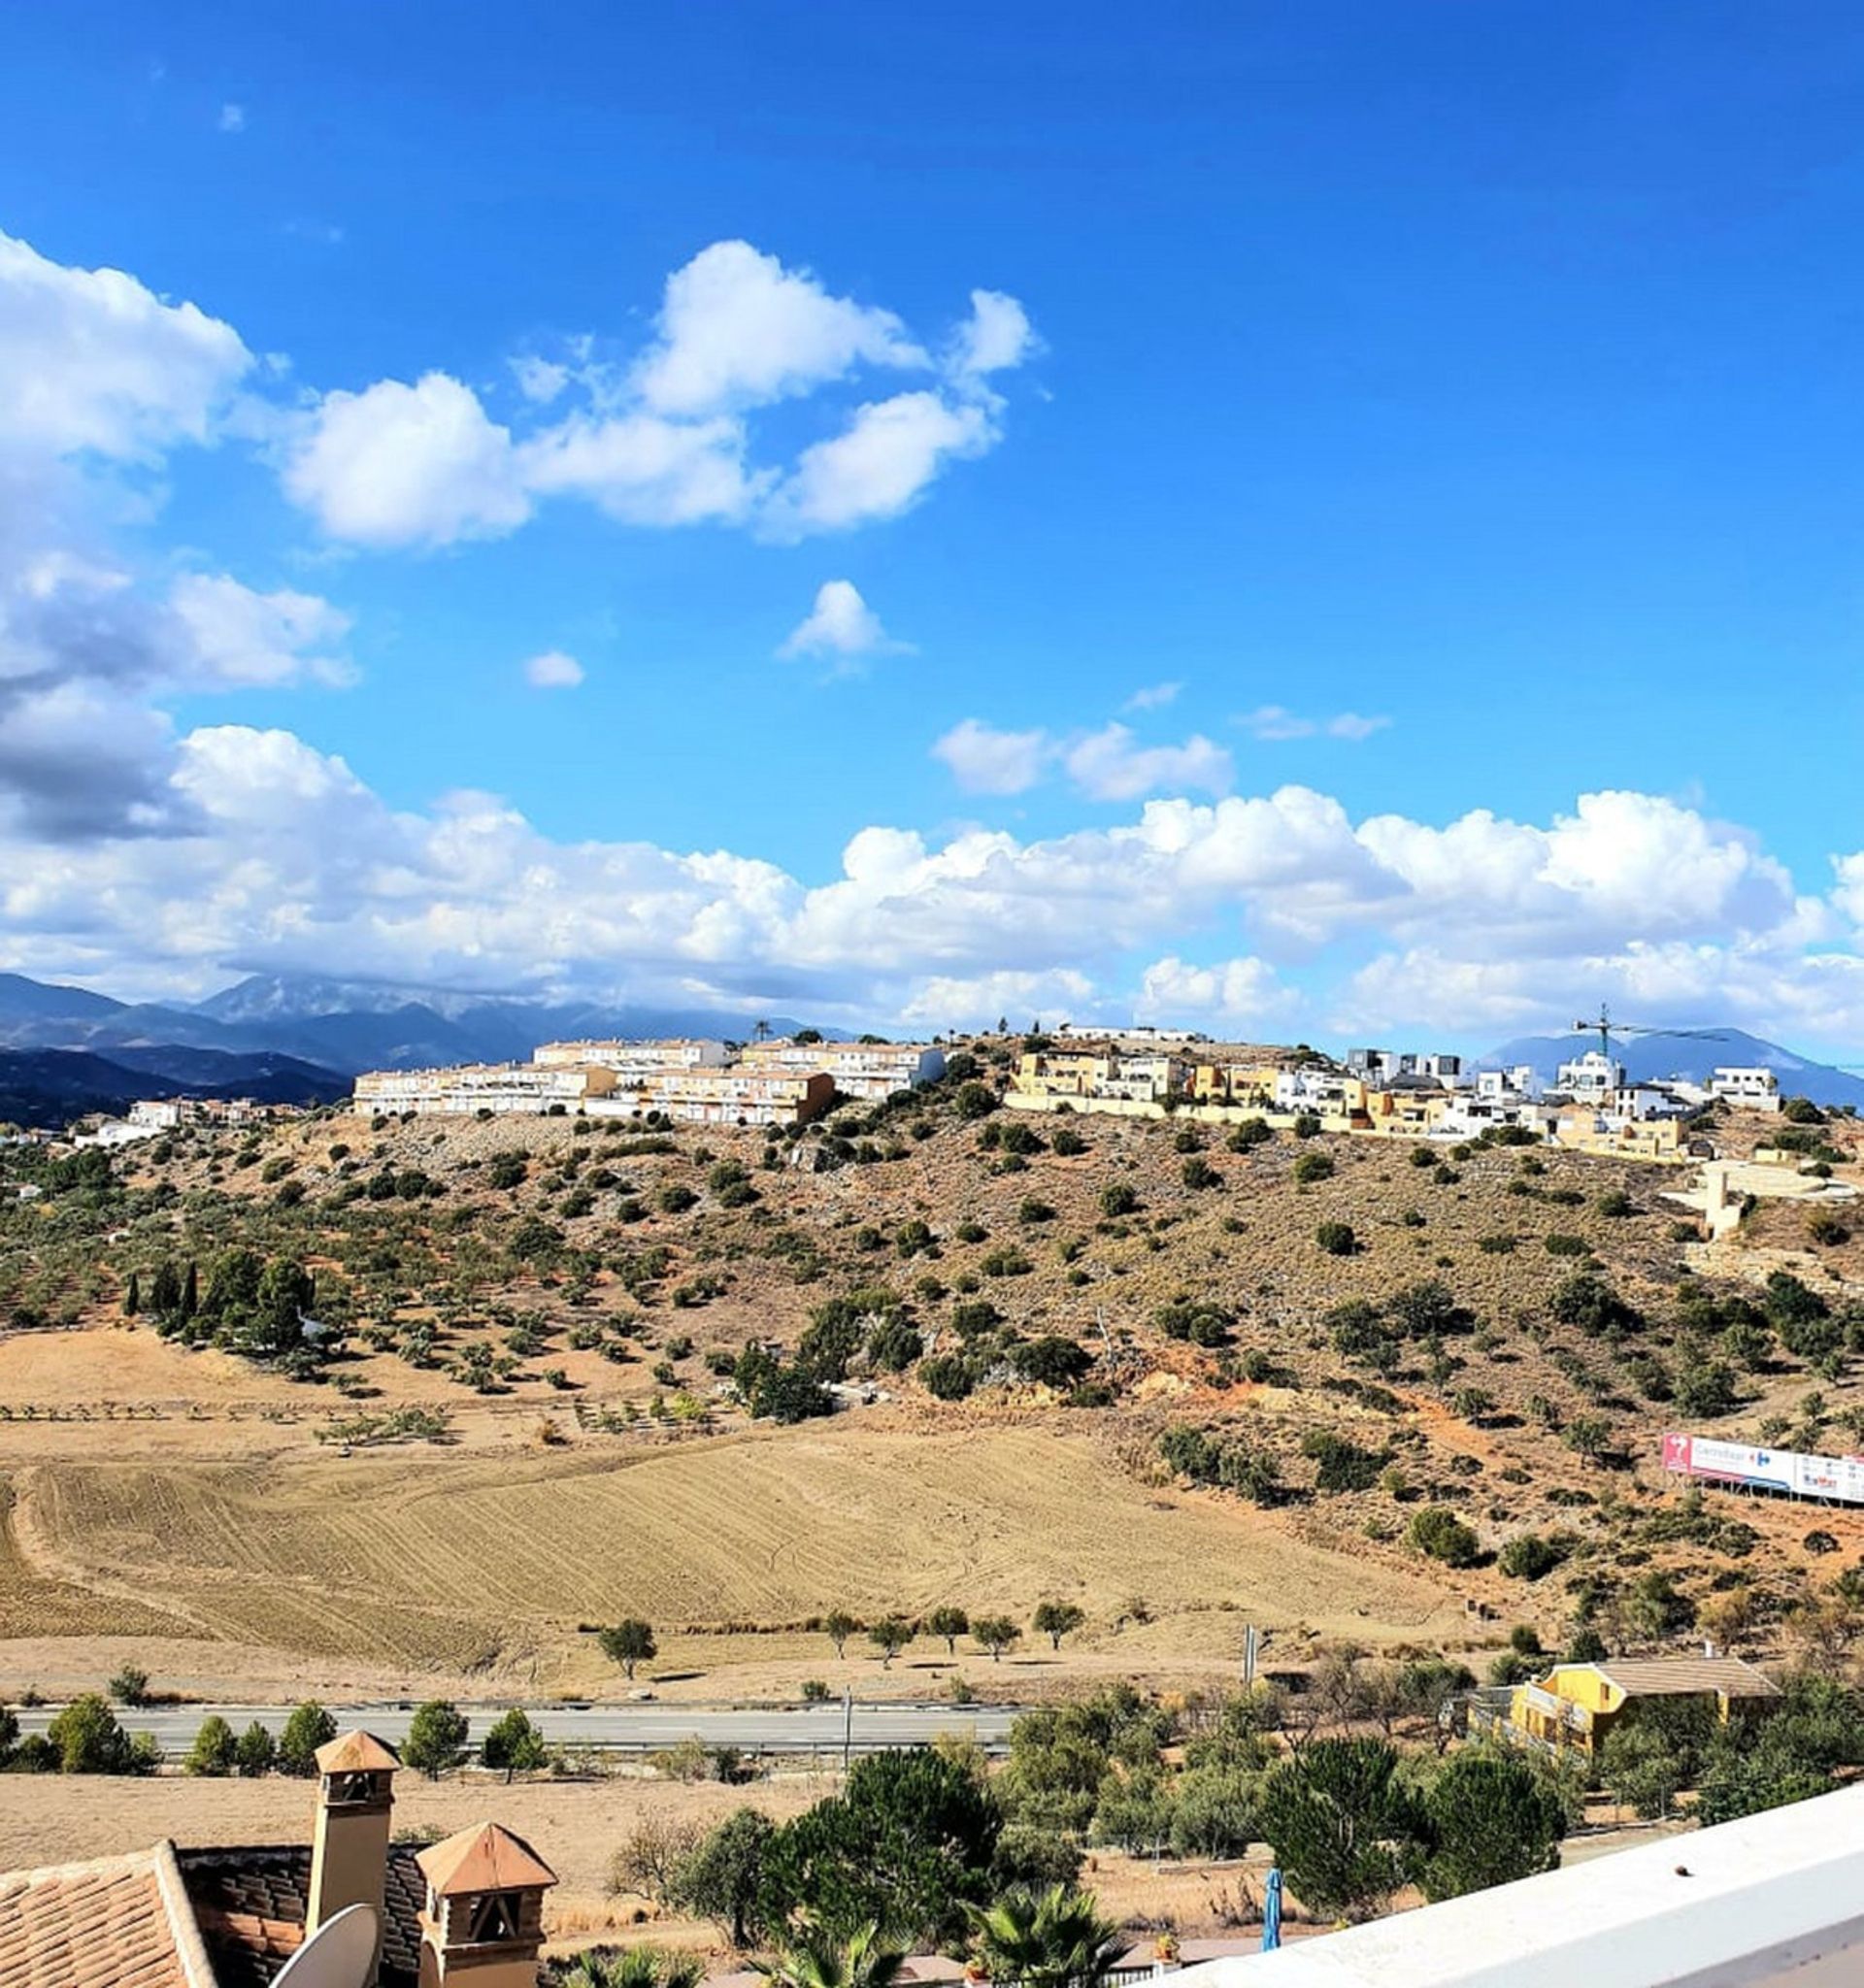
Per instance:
(868,1070)
(1381,1066)
(498,1088)
(633,1059)
(735,1096)
(1102,1071)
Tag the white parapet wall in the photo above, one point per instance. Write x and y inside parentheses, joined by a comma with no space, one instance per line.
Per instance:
(1773,1900)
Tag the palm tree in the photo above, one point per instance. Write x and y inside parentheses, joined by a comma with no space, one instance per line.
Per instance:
(1053,1939)
(632,1966)
(813,1958)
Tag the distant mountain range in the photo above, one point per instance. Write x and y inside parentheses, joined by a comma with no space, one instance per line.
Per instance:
(1692,1055)
(338,1026)
(299,1039)
(53,1087)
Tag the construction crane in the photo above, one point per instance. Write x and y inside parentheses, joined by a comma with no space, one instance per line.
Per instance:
(1605,1028)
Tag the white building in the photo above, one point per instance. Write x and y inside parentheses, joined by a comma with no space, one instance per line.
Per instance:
(868,1070)
(115,1132)
(735,1096)
(158,1115)
(629,1059)
(1653,1100)
(1592,1077)
(498,1088)
(1519,1083)
(1747,1085)
(1381,1066)
(1314,1089)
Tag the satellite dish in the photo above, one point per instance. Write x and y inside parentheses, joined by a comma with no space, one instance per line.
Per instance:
(340,1954)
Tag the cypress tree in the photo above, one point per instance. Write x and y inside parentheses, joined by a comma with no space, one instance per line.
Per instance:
(133,1297)
(166,1296)
(191,1292)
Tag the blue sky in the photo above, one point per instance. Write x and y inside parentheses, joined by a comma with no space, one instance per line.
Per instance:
(1399,423)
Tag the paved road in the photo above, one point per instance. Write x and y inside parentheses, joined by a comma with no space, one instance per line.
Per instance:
(629,1728)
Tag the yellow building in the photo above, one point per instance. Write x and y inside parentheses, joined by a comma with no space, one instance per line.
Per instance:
(1233,1083)
(1410,1113)
(1580,1128)
(1072,1072)
(1101,1070)
(1577,1706)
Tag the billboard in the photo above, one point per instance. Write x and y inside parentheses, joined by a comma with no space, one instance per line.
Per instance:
(1840,1478)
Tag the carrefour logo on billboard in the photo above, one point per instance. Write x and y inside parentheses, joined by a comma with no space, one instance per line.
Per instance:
(1714,1461)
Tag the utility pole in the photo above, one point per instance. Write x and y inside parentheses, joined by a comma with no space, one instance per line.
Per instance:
(847,1728)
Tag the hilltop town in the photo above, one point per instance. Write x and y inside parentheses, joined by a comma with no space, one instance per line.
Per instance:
(1591,1107)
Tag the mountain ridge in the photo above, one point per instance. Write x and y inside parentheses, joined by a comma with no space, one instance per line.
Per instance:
(49,1087)
(1690,1054)
(344,1026)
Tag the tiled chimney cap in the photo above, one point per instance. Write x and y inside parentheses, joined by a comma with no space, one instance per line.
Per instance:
(483,1859)
(356,1753)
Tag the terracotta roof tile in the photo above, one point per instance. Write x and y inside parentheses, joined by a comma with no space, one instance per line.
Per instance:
(486,1858)
(356,1753)
(1662,1676)
(115,1922)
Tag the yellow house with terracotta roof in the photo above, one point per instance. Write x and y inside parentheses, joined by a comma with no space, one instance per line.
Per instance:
(1577,1706)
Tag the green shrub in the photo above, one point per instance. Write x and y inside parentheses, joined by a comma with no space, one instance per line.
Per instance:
(1440,1535)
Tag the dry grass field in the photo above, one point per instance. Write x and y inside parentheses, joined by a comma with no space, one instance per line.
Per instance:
(474,1562)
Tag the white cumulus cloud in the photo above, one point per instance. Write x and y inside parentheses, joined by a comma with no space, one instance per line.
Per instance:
(1232,994)
(1112,765)
(985,760)
(996,337)
(400,465)
(668,439)
(554,670)
(93,360)
(643,470)
(841,625)
(878,465)
(239,636)
(736,330)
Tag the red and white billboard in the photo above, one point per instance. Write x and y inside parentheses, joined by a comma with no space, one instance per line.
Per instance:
(1715,1462)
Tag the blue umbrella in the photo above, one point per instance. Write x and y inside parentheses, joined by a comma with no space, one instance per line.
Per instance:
(1272,1911)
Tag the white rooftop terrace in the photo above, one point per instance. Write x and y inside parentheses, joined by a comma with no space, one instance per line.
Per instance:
(1773,1901)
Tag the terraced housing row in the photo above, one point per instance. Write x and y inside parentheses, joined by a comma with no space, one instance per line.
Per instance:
(694,1082)
(1591,1107)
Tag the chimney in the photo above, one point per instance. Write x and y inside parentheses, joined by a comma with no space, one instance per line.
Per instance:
(350,1848)
(483,1924)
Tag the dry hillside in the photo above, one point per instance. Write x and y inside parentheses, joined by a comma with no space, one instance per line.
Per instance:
(1153,1377)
